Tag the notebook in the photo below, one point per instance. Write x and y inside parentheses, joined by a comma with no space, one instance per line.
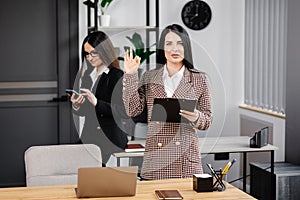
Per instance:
(134,148)
(168,194)
(106,182)
(167,109)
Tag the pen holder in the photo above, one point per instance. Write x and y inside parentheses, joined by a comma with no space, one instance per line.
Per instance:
(220,175)
(218,181)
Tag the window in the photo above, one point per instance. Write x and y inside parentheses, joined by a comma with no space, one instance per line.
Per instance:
(265,54)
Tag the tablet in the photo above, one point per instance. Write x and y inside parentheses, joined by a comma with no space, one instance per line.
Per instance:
(167,109)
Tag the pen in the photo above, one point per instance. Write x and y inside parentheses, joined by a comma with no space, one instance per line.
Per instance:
(216,176)
(227,167)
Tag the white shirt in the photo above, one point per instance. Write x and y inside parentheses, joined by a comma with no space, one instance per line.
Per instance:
(171,83)
(94,76)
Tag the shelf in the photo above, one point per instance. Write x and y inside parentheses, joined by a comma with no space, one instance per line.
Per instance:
(125,27)
(95,26)
(119,33)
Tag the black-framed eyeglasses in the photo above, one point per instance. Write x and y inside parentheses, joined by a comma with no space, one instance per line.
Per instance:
(92,54)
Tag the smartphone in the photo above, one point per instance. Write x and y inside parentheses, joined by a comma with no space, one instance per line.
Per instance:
(71,91)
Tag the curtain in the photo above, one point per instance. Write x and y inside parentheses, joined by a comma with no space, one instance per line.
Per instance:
(265,54)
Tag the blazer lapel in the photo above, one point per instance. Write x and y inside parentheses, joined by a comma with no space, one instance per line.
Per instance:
(185,88)
(159,84)
(99,82)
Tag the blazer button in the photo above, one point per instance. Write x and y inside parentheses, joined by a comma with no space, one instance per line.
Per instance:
(159,144)
(101,115)
(177,143)
(98,127)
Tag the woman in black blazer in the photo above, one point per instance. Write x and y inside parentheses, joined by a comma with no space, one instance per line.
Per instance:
(100,99)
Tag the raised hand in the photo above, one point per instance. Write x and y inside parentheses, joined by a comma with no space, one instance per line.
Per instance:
(131,64)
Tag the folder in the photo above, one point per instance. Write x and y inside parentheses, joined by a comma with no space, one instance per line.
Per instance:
(167,109)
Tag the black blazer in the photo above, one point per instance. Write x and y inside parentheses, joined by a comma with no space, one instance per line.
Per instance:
(103,122)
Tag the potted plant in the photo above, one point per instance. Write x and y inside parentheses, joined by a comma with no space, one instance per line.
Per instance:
(103,18)
(103,5)
(139,48)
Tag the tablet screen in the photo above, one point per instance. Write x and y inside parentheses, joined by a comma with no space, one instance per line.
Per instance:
(167,109)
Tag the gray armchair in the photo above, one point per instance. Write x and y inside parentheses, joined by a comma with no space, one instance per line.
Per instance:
(58,164)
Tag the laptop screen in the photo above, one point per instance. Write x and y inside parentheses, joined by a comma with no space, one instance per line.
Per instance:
(107,181)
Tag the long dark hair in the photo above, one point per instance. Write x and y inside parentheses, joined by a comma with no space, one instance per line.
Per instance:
(182,33)
(103,45)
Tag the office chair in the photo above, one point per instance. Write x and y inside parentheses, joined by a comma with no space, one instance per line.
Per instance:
(58,164)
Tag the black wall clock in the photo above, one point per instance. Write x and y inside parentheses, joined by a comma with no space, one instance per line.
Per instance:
(196,14)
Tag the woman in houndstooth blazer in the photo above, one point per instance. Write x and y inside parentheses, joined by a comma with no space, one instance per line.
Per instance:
(172,149)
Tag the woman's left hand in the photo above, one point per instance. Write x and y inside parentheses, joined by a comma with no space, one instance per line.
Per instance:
(191,116)
(89,96)
(131,64)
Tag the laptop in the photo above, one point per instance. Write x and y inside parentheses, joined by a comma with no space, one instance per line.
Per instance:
(167,109)
(106,181)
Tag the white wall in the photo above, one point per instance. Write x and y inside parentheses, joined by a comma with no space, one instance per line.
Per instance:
(218,50)
(222,40)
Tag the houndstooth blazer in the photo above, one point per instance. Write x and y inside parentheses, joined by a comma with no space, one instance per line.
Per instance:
(172,149)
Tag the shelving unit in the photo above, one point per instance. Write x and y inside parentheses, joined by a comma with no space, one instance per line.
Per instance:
(149,29)
(94,5)
(126,27)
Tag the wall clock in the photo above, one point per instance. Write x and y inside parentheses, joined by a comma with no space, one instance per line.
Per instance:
(196,14)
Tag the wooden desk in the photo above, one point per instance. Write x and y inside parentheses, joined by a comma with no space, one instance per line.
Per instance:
(213,145)
(145,190)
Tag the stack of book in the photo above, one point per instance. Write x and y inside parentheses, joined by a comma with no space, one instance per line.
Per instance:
(134,148)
